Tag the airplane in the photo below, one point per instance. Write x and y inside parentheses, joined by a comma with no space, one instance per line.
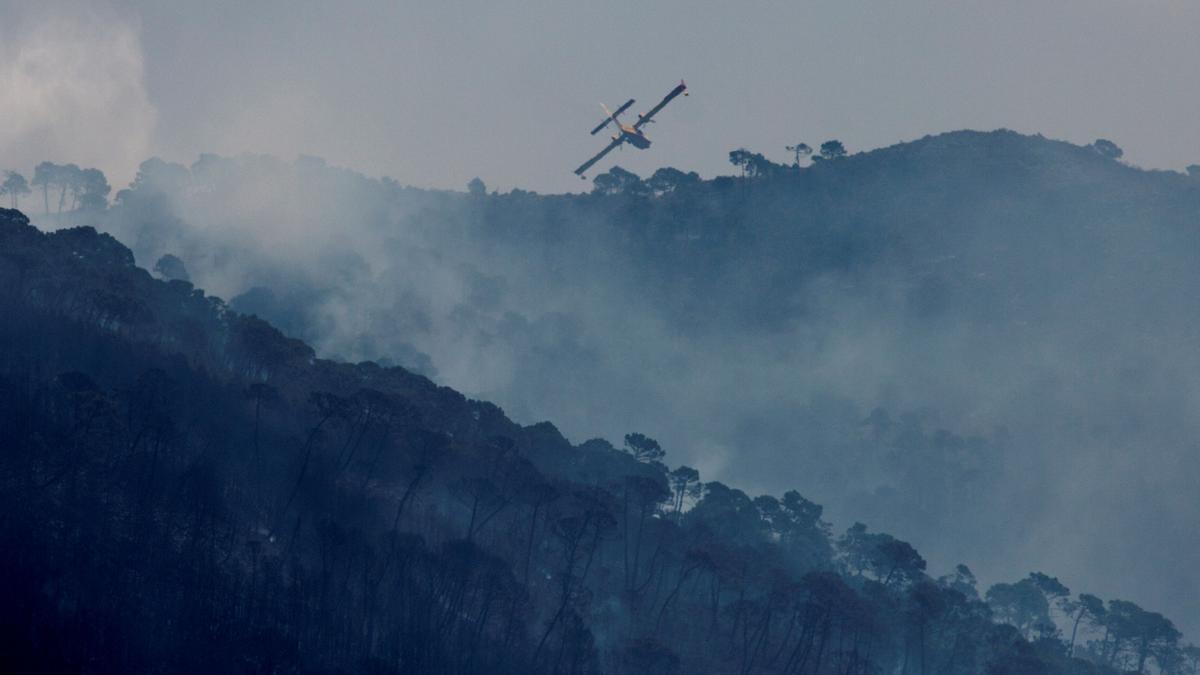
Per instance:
(628,133)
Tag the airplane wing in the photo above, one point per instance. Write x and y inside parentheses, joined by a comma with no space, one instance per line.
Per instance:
(644,119)
(611,116)
(588,164)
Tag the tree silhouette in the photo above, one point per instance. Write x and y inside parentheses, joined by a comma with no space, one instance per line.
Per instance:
(800,150)
(643,448)
(14,186)
(69,178)
(1022,605)
(1107,148)
(752,164)
(668,179)
(685,483)
(45,175)
(171,267)
(1088,607)
(832,150)
(962,580)
(618,181)
(741,158)
(93,190)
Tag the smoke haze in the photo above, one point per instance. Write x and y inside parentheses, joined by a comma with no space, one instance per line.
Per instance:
(72,87)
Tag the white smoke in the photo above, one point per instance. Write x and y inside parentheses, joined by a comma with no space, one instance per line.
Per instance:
(72,89)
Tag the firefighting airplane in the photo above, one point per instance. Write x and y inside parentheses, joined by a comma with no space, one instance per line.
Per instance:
(631,134)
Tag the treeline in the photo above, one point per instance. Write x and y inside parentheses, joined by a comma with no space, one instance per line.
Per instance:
(63,187)
(183,488)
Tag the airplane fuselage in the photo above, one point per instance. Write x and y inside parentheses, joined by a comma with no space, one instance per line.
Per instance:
(634,137)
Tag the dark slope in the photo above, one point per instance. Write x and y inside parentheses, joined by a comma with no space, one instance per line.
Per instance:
(182,488)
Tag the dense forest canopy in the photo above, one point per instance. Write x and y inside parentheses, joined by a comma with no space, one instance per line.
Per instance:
(932,338)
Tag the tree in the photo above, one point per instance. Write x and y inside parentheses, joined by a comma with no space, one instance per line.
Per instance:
(1056,594)
(832,150)
(669,179)
(538,494)
(643,448)
(1050,586)
(641,496)
(93,188)
(328,406)
(926,602)
(961,580)
(14,186)
(69,178)
(1087,607)
(45,174)
(800,150)
(427,451)
(170,267)
(617,181)
(258,348)
(1137,635)
(729,514)
(1107,148)
(1021,605)
(890,560)
(761,167)
(796,524)
(492,481)
(476,187)
(752,164)
(1189,658)
(685,484)
(587,519)
(901,560)
(741,159)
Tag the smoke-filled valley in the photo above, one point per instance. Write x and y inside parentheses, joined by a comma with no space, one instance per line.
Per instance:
(983,344)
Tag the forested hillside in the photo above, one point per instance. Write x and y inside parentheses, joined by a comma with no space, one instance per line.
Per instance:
(980,342)
(186,489)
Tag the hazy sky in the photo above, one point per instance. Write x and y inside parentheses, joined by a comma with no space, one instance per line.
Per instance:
(435,93)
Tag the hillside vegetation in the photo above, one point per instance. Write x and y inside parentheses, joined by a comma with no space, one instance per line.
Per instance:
(186,489)
(977,342)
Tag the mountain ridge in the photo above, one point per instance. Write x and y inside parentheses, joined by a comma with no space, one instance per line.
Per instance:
(335,427)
